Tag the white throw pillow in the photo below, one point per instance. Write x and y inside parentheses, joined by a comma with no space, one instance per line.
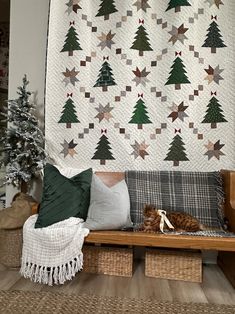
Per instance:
(109,207)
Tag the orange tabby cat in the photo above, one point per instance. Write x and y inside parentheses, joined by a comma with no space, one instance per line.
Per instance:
(181,221)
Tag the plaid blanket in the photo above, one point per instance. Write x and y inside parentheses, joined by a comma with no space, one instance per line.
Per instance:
(207,233)
(197,193)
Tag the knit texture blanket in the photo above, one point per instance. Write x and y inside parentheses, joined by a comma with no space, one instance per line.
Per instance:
(52,255)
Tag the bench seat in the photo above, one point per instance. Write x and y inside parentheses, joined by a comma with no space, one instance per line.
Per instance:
(224,245)
(161,240)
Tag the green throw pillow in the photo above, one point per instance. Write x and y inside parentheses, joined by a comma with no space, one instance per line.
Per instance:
(62,197)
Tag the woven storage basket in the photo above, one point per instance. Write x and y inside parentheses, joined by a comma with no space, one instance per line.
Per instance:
(11,242)
(108,260)
(174,264)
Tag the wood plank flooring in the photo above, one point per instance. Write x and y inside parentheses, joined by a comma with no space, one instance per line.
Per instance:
(214,289)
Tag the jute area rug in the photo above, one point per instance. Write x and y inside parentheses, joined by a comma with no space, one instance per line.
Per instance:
(46,302)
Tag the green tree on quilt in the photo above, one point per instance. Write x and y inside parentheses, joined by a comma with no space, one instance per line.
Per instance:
(141,42)
(177,74)
(105,77)
(176,4)
(140,116)
(103,152)
(106,7)
(69,114)
(71,41)
(213,39)
(176,151)
(214,113)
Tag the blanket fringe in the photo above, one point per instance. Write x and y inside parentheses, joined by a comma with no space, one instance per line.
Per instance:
(220,196)
(52,275)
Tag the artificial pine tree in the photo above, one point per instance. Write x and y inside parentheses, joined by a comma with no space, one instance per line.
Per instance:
(214,113)
(69,114)
(105,77)
(3,115)
(140,116)
(106,7)
(176,151)
(103,150)
(71,41)
(176,4)
(213,39)
(141,42)
(23,142)
(177,74)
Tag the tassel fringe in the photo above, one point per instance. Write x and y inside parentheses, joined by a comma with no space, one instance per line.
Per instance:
(220,196)
(52,275)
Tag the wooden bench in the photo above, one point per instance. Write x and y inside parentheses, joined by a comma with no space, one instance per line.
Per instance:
(225,246)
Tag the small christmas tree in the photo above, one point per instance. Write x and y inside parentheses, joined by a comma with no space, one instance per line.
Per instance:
(71,41)
(176,4)
(69,114)
(3,116)
(103,150)
(141,42)
(177,74)
(105,77)
(213,39)
(176,151)
(23,142)
(214,113)
(106,7)
(140,116)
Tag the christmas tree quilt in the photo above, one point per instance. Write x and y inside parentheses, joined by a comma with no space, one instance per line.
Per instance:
(141,84)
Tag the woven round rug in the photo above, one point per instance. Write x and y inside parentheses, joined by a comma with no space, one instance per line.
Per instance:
(26,302)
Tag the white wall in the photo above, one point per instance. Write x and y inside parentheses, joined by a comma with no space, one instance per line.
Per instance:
(28,39)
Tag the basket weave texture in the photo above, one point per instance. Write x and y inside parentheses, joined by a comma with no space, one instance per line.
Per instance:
(173,264)
(45,302)
(108,260)
(11,242)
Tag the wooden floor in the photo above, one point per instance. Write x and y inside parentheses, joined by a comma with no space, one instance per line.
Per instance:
(214,289)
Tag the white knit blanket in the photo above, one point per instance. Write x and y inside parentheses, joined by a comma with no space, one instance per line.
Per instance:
(53,254)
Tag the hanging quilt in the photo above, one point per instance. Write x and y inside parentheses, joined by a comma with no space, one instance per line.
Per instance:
(141,84)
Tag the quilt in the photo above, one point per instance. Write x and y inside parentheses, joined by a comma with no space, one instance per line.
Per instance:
(141,84)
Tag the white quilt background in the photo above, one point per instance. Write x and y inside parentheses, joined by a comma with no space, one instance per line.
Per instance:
(206,148)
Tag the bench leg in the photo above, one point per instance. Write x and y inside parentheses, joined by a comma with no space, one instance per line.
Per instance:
(226,261)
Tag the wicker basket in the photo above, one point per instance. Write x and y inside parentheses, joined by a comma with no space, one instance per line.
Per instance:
(11,242)
(115,261)
(174,264)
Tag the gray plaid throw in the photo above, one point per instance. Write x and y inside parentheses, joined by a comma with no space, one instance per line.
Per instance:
(197,193)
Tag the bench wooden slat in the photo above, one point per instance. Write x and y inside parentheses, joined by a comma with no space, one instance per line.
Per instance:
(161,240)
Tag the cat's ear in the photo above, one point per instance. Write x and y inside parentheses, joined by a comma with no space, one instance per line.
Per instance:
(148,208)
(145,209)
